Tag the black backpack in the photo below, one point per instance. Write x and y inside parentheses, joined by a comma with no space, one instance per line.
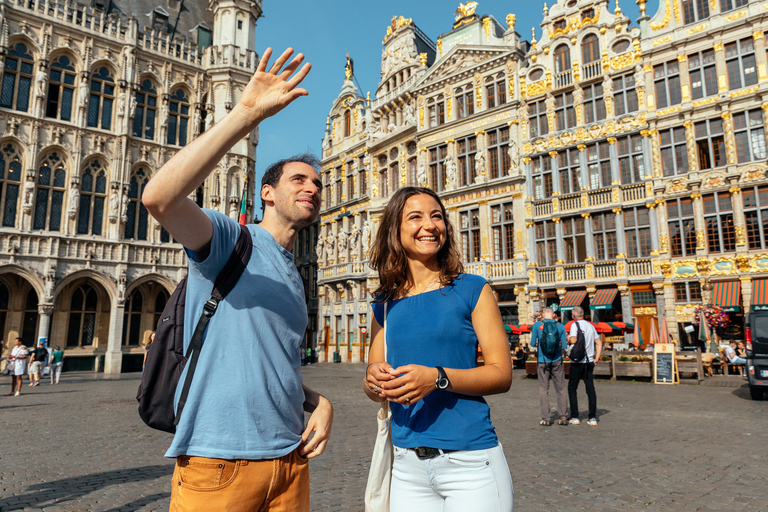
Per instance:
(166,359)
(550,340)
(579,349)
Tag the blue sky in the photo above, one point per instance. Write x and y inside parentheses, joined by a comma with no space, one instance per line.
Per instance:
(325,31)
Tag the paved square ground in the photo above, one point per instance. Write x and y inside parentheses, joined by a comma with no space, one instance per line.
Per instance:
(81,446)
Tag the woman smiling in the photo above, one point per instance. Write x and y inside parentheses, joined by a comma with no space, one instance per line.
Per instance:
(447,455)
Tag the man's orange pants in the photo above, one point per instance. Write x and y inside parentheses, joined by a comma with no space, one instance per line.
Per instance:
(210,485)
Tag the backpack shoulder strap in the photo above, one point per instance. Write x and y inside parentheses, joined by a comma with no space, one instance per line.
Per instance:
(225,282)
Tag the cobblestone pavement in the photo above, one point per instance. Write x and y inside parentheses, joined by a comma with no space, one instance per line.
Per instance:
(80,446)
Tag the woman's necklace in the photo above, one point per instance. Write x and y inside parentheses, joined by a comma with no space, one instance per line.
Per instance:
(424,288)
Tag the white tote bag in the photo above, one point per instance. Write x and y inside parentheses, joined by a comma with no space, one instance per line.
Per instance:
(380,474)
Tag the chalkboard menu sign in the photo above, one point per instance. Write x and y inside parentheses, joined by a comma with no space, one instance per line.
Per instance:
(664,367)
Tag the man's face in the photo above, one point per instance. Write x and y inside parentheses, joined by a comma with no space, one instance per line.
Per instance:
(18,342)
(296,198)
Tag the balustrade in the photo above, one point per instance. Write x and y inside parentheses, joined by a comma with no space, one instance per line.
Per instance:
(563,79)
(591,70)
(633,193)
(600,197)
(542,208)
(605,270)
(575,273)
(547,276)
(568,203)
(639,267)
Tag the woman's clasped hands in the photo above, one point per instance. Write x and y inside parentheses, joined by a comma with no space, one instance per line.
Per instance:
(405,385)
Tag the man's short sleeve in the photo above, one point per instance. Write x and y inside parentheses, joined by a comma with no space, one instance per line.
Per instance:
(574,331)
(223,240)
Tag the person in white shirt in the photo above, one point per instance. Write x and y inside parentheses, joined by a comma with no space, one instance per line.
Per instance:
(733,357)
(19,359)
(582,370)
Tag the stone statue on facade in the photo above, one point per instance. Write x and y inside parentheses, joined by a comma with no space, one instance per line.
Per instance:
(479,167)
(391,126)
(208,121)
(421,176)
(124,211)
(452,173)
(82,93)
(514,156)
(114,204)
(121,104)
(198,118)
(639,77)
(354,239)
(319,247)
(366,235)
(353,289)
(40,80)
(410,115)
(132,106)
(330,294)
(50,283)
(330,242)
(342,241)
(29,192)
(74,199)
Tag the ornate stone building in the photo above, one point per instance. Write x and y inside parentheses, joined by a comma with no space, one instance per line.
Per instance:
(95,98)
(607,164)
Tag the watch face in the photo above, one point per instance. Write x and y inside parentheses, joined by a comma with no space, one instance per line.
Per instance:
(442,383)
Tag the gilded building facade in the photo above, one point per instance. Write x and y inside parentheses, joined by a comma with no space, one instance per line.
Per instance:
(606,163)
(95,98)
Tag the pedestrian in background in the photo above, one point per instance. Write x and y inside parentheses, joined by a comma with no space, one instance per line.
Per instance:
(57,362)
(18,357)
(583,368)
(429,317)
(38,361)
(548,335)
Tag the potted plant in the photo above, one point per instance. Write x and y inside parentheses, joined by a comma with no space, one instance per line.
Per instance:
(714,316)
(634,366)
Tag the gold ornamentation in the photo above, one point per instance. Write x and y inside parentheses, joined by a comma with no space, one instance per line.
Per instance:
(395,25)
(667,17)
(581,147)
(465,14)
(448,104)
(685,268)
(528,214)
(740,239)
(743,263)
(555,205)
(698,29)
(702,265)
(440,46)
(695,196)
(532,276)
(620,268)
(423,59)
(511,21)
(736,94)
(700,239)
(718,47)
(703,102)
(645,311)
(421,116)
(622,61)
(487,28)
(655,263)
(559,273)
(723,266)
(529,224)
(666,269)
(668,110)
(611,140)
(616,195)
(556,219)
(733,17)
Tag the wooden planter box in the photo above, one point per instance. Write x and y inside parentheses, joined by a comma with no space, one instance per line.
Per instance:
(603,369)
(632,369)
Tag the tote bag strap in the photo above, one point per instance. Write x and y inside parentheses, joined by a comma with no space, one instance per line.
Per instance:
(385,330)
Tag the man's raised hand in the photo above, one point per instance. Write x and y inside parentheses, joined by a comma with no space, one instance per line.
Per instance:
(270,91)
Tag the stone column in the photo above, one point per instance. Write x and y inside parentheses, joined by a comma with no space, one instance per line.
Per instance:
(584,168)
(739,220)
(746,292)
(559,242)
(626,310)
(588,234)
(760,55)
(45,311)
(614,153)
(621,242)
(654,228)
(113,360)
(701,228)
(685,83)
(663,227)
(555,174)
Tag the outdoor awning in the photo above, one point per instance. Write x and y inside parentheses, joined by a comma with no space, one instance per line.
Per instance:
(604,299)
(760,295)
(572,299)
(727,295)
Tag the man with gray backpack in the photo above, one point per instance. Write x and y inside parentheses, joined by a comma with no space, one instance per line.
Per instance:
(549,335)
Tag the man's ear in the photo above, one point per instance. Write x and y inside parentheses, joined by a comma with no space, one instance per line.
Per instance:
(267,193)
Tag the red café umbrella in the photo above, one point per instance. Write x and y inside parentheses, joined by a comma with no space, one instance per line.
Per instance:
(654,333)
(603,328)
(524,328)
(620,325)
(513,329)
(570,324)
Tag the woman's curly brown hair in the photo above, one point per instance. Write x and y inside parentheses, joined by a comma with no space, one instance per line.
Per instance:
(388,256)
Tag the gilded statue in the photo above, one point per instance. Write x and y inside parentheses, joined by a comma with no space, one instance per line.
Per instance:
(511,21)
(465,13)
(348,69)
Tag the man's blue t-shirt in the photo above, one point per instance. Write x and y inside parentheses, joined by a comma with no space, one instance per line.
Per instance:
(537,333)
(246,399)
(435,329)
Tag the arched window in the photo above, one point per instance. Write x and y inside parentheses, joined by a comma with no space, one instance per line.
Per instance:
(61,89)
(93,195)
(82,316)
(51,179)
(590,49)
(347,124)
(136,225)
(160,301)
(101,99)
(146,110)
(178,118)
(29,325)
(10,182)
(562,59)
(5,297)
(132,320)
(17,78)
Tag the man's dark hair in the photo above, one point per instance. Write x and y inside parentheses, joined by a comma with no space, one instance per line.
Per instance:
(275,171)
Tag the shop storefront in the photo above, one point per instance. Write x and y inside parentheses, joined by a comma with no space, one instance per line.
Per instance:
(572,299)
(727,295)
